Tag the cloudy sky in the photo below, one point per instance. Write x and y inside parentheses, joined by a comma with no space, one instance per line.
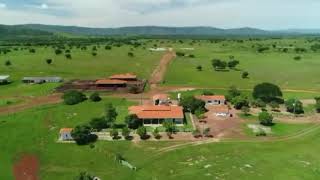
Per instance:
(266,14)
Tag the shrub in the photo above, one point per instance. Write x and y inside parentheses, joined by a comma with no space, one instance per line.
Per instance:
(58,51)
(82,135)
(94,54)
(245,75)
(125,132)
(294,106)
(265,118)
(297,58)
(95,97)
(142,132)
(196,133)
(133,121)
(49,61)
(258,103)
(240,101)
(8,63)
(114,133)
(73,97)
(99,124)
(199,68)
(156,133)
(68,56)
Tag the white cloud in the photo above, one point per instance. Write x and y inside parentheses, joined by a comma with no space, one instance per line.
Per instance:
(2,5)
(270,14)
(44,6)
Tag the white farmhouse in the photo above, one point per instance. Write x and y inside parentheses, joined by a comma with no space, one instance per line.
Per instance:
(65,134)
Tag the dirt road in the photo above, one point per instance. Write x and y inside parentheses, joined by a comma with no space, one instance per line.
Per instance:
(30,103)
(158,74)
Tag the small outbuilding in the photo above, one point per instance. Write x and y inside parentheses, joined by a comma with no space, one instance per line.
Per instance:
(40,80)
(213,99)
(65,134)
(161,99)
(4,79)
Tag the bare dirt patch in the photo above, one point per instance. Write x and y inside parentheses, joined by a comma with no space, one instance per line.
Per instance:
(159,72)
(26,168)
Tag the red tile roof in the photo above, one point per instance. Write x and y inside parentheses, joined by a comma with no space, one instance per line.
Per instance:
(110,81)
(66,130)
(157,112)
(213,97)
(123,76)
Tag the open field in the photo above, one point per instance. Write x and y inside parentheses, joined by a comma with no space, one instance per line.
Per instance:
(270,66)
(83,65)
(35,131)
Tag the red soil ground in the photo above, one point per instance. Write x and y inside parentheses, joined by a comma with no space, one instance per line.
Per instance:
(26,168)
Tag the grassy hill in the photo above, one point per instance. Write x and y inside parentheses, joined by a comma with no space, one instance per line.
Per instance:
(20,32)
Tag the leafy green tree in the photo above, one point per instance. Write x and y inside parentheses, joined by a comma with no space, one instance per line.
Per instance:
(207,93)
(111,113)
(190,103)
(199,68)
(99,123)
(240,101)
(8,63)
(265,118)
(233,63)
(142,132)
(58,51)
(94,53)
(82,135)
(218,64)
(232,93)
(245,75)
(294,106)
(108,47)
(267,92)
(68,56)
(49,61)
(180,54)
(32,50)
(130,54)
(73,97)
(95,97)
(133,121)
(258,103)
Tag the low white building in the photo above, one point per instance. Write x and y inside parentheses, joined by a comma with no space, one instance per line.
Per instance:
(65,134)
(4,79)
(213,99)
(161,99)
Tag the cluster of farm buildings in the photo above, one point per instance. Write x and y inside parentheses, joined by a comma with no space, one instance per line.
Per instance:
(163,109)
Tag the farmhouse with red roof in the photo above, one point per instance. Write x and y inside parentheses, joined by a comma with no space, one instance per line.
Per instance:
(156,115)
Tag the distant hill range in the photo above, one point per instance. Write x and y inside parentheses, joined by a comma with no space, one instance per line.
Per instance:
(47,30)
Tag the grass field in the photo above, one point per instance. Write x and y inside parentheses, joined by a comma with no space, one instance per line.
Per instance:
(35,132)
(82,66)
(271,66)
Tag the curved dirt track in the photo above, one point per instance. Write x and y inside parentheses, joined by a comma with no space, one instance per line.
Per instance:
(160,71)
(30,103)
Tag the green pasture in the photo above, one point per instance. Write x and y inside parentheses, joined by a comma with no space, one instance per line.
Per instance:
(272,66)
(35,131)
(83,65)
